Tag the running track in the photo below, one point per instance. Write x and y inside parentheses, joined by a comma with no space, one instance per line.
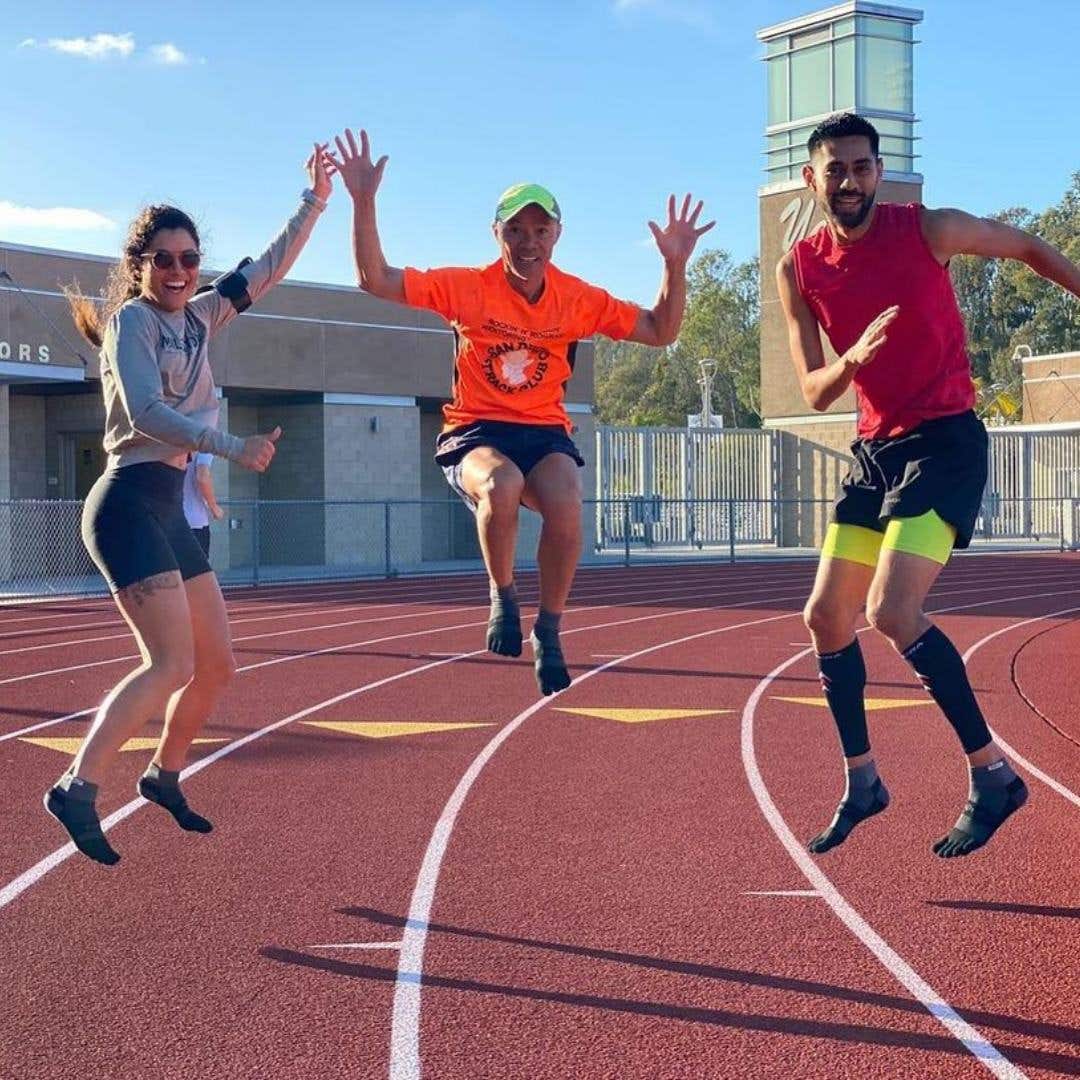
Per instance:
(533,889)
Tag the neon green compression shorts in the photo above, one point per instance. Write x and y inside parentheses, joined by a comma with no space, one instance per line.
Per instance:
(926,535)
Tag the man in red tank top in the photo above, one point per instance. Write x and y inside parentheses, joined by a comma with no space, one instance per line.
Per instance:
(875,280)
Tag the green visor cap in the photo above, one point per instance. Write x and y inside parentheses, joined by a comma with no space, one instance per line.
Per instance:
(515,199)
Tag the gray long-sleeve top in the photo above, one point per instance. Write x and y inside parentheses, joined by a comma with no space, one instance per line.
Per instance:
(155,372)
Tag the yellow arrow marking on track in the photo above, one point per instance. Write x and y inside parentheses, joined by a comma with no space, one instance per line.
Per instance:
(71,745)
(644,716)
(385,729)
(870,703)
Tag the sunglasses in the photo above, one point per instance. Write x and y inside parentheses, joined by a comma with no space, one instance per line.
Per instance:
(165,260)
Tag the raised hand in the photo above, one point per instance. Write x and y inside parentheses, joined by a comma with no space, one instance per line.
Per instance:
(677,239)
(873,337)
(320,168)
(258,451)
(360,175)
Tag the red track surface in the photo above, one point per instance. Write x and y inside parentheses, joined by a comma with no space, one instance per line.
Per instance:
(609,899)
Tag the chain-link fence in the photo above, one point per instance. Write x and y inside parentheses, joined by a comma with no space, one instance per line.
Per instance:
(41,551)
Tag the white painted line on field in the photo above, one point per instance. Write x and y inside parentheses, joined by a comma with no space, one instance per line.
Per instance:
(1066,793)
(48,723)
(785,892)
(981,1048)
(360,945)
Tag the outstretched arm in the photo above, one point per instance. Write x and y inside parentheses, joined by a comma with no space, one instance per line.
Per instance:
(239,289)
(362,177)
(822,383)
(954,232)
(660,324)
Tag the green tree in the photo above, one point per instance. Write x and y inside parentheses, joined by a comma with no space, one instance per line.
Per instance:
(1006,304)
(659,387)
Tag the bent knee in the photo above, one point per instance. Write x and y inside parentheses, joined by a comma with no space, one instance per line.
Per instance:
(217,670)
(498,493)
(174,669)
(897,622)
(827,619)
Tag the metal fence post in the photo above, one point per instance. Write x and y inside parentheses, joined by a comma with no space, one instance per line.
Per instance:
(386,535)
(626,531)
(256,545)
(731,527)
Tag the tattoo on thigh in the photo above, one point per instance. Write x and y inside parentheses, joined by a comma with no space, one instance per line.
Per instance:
(141,591)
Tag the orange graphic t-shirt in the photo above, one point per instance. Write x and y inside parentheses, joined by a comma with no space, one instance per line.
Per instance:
(513,358)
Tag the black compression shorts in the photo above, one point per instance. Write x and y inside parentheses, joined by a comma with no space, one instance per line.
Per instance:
(941,465)
(134,527)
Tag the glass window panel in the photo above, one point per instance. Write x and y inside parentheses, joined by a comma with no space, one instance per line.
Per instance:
(884,75)
(903,129)
(779,139)
(810,37)
(778,90)
(890,144)
(810,81)
(898,163)
(890,28)
(777,45)
(844,74)
(843,26)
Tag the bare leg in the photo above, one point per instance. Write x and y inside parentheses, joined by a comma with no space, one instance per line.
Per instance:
(157,612)
(156,609)
(553,490)
(494,483)
(190,707)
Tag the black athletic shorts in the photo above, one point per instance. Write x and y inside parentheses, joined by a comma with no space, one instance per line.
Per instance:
(134,527)
(202,534)
(524,444)
(940,465)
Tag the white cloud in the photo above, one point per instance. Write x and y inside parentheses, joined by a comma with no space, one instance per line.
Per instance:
(167,53)
(27,43)
(52,217)
(98,47)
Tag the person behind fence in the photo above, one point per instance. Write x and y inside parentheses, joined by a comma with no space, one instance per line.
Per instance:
(506,437)
(875,278)
(200,502)
(161,405)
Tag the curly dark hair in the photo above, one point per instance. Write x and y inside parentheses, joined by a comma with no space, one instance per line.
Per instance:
(840,125)
(124,281)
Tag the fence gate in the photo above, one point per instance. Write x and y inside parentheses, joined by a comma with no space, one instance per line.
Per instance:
(685,486)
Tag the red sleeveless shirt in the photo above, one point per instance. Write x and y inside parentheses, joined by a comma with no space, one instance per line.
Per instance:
(922,371)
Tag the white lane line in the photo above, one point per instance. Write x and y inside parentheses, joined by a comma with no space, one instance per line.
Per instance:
(1049,781)
(785,892)
(405,1021)
(23,882)
(980,1047)
(48,723)
(360,945)
(931,1000)
(20,884)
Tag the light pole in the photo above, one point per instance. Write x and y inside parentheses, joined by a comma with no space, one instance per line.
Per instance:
(708,373)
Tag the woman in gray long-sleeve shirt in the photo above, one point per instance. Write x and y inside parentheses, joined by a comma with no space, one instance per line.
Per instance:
(161,406)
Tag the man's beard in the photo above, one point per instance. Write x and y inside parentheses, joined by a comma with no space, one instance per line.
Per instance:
(852,218)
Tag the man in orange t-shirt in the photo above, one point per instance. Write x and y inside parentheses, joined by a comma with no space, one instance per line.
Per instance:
(506,438)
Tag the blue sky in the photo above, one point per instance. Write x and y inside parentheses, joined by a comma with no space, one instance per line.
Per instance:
(611,103)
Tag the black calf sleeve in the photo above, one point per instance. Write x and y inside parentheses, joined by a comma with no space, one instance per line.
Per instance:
(843,678)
